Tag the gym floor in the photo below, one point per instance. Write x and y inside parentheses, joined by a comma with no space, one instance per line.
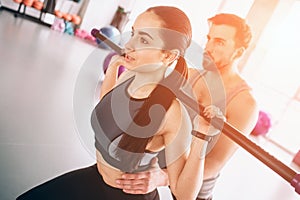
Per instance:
(39,139)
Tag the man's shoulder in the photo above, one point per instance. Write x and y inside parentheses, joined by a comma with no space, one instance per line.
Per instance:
(192,70)
(244,101)
(244,96)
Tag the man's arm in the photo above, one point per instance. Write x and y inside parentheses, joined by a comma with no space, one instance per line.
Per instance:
(242,113)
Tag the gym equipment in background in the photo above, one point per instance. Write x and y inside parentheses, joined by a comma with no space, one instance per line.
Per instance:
(110,32)
(262,128)
(230,131)
(120,18)
(105,39)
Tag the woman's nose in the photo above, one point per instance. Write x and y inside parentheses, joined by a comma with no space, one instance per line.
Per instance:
(129,45)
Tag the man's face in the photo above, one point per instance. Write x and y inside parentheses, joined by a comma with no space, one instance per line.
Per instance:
(220,45)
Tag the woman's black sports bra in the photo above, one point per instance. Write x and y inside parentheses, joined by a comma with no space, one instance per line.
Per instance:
(110,119)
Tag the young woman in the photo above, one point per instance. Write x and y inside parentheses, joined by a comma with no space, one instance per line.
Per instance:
(139,115)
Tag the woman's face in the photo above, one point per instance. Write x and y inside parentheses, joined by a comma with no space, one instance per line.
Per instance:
(144,49)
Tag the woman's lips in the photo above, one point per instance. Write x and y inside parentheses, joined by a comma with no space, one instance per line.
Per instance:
(129,58)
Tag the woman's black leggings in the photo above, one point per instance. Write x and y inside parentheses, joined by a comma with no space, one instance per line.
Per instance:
(82,184)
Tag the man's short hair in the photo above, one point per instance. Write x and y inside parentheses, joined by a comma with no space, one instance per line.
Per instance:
(243,33)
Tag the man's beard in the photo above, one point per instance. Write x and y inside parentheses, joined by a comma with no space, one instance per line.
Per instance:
(208,63)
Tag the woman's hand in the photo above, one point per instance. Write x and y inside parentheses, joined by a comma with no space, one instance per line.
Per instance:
(203,130)
(143,182)
(203,126)
(111,74)
(116,61)
(212,111)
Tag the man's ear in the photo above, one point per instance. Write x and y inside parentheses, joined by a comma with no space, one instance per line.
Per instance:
(171,56)
(239,52)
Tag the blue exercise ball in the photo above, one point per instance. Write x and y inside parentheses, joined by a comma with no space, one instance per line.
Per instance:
(112,33)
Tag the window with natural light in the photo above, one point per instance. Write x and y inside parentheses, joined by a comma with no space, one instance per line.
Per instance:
(276,78)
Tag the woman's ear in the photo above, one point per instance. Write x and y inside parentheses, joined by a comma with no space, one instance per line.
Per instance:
(170,56)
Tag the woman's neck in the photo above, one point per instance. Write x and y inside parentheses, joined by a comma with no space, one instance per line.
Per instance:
(144,83)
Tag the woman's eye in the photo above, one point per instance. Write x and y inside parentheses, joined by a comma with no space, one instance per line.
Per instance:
(143,41)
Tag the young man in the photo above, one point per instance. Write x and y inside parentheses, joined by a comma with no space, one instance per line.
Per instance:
(227,39)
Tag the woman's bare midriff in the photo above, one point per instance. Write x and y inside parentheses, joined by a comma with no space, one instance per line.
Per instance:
(108,173)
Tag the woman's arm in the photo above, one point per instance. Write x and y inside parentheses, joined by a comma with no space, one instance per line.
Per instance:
(188,166)
(111,75)
(184,154)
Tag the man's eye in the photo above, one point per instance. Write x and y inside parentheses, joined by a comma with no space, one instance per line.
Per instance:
(220,43)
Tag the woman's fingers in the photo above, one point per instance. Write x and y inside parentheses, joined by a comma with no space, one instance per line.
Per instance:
(212,111)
